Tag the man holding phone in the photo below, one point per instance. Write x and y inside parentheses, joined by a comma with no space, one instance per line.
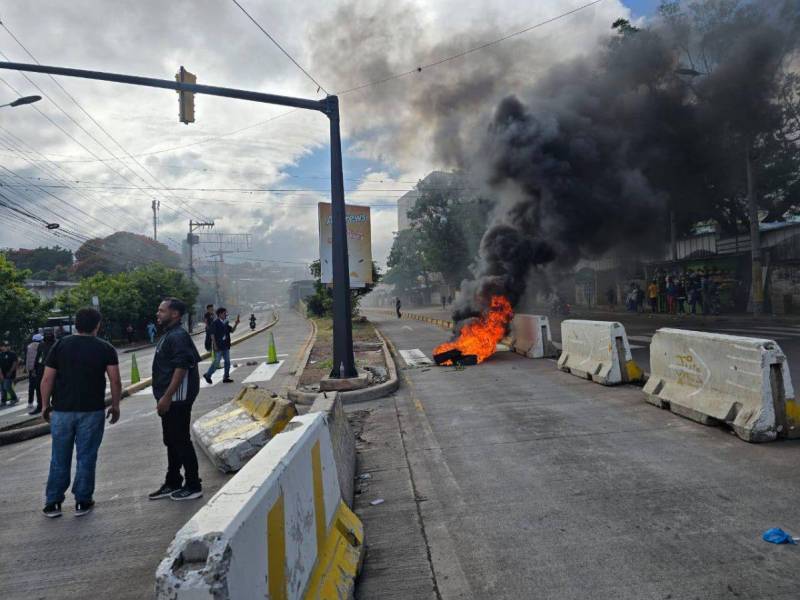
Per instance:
(221,340)
(75,378)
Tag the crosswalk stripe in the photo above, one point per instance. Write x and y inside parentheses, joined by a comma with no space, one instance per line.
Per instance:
(264,372)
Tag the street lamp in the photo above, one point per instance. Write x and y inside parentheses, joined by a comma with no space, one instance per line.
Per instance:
(23,100)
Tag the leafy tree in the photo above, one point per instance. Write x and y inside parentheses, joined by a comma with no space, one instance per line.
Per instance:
(122,251)
(447,224)
(129,297)
(42,261)
(21,311)
(321,302)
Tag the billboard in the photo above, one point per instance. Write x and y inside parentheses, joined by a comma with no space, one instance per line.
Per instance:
(359,244)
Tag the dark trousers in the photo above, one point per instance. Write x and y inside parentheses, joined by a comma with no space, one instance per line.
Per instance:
(398,312)
(33,388)
(180,451)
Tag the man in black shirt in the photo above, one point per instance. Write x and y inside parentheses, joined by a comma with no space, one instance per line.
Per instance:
(8,372)
(176,382)
(75,377)
(221,339)
(208,318)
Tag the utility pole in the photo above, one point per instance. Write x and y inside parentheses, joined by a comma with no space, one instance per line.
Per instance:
(192,240)
(156,204)
(344,362)
(755,237)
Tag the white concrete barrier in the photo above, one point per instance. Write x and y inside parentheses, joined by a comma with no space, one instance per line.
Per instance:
(233,433)
(597,350)
(715,378)
(278,529)
(532,337)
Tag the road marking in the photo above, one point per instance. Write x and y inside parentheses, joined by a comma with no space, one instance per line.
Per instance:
(264,372)
(407,327)
(415,358)
(241,358)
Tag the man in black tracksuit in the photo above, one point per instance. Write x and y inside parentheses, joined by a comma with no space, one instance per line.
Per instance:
(176,382)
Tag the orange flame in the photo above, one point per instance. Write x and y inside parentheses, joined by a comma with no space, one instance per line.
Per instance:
(480,337)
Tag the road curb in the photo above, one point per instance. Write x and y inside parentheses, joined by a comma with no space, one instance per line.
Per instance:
(20,434)
(290,391)
(355,396)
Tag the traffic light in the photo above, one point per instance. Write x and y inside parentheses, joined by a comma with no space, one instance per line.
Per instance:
(186,99)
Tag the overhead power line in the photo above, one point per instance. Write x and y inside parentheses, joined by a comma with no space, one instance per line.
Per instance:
(281,48)
(91,118)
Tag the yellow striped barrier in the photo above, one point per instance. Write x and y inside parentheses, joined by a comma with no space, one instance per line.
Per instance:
(233,433)
(278,529)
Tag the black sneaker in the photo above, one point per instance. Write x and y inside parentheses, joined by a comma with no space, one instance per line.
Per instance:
(163,492)
(83,508)
(208,379)
(52,510)
(227,380)
(186,493)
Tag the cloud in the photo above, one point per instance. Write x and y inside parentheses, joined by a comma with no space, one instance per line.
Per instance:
(400,125)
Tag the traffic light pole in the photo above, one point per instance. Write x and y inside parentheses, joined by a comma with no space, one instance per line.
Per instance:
(343,361)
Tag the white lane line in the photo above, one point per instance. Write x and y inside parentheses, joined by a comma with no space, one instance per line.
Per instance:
(241,358)
(415,358)
(264,372)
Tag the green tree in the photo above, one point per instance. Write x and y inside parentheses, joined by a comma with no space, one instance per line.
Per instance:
(406,262)
(21,311)
(321,302)
(44,262)
(122,251)
(154,283)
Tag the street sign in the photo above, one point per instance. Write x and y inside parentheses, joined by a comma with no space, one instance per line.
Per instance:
(359,244)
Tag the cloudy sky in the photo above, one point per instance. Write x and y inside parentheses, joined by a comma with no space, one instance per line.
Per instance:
(92,156)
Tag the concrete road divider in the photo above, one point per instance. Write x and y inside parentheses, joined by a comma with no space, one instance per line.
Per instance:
(233,433)
(532,337)
(597,350)
(278,529)
(715,378)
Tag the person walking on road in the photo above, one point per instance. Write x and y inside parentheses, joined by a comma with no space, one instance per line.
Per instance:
(252,322)
(151,331)
(30,366)
(129,333)
(8,372)
(38,366)
(221,339)
(176,383)
(208,318)
(397,307)
(75,378)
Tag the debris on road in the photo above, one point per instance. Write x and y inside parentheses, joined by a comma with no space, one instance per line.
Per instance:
(776,535)
(377,502)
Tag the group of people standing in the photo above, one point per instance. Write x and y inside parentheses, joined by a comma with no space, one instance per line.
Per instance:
(676,294)
(34,356)
(72,389)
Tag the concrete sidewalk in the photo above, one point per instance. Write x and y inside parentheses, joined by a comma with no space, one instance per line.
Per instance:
(531,483)
(113,552)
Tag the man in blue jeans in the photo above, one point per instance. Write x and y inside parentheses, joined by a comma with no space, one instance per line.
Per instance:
(75,378)
(221,342)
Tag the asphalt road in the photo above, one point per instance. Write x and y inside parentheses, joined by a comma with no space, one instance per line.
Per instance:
(532,483)
(113,552)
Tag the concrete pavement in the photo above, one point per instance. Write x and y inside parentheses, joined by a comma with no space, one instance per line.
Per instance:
(531,483)
(113,552)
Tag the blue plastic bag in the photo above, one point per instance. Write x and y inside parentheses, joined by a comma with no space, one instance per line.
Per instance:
(777,535)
